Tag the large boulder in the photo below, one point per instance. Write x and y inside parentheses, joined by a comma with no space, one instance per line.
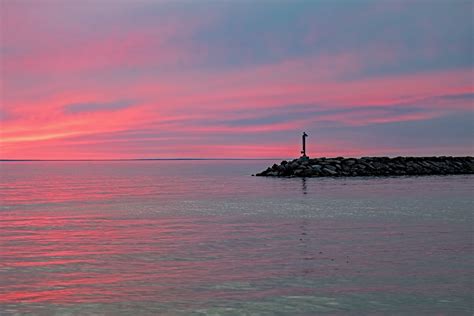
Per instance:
(329,172)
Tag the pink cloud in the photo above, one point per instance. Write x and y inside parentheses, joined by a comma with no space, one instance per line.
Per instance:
(133,48)
(175,93)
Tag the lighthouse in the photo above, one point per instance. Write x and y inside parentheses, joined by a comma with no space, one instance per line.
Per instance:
(304,145)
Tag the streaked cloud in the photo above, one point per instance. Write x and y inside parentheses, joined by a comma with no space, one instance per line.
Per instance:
(91,107)
(234,79)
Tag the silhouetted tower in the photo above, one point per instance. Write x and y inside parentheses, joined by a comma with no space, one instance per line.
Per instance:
(304,144)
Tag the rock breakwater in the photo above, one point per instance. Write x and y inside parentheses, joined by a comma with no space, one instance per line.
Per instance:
(370,166)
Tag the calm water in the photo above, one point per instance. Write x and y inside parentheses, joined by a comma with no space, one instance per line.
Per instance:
(204,237)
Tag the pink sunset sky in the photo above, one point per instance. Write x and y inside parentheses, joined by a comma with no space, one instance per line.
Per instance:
(219,79)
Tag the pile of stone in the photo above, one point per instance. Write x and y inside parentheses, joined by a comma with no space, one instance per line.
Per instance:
(370,166)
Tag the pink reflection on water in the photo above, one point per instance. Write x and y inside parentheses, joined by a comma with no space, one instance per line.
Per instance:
(113,258)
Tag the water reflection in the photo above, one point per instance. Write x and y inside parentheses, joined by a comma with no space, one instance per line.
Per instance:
(97,259)
(117,240)
(303,187)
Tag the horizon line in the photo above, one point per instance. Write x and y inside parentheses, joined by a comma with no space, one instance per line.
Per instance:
(200,159)
(135,159)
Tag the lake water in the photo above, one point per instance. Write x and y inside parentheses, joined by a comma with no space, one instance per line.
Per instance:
(204,237)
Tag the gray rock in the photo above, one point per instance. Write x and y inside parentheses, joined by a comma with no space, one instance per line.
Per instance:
(330,167)
(299,172)
(316,167)
(329,171)
(349,162)
(294,165)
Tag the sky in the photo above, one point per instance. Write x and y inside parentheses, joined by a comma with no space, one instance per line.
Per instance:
(120,79)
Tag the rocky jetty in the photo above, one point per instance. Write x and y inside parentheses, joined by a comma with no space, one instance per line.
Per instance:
(370,166)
